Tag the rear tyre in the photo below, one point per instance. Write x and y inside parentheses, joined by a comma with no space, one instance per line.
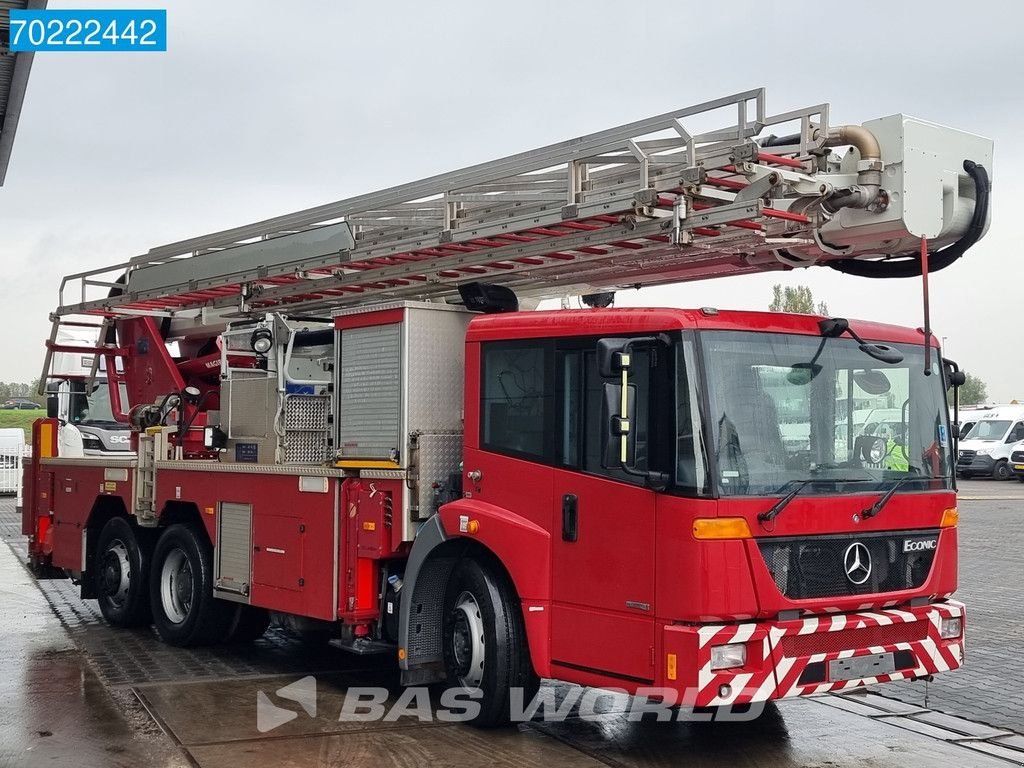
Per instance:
(185,613)
(1020,478)
(484,641)
(120,571)
(1002,471)
(248,625)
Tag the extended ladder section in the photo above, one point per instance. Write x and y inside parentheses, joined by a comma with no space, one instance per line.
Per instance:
(652,202)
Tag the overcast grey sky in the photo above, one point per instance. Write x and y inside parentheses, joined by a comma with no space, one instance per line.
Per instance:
(259,108)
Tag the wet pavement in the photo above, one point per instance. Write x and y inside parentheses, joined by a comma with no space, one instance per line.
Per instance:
(54,709)
(990,686)
(78,693)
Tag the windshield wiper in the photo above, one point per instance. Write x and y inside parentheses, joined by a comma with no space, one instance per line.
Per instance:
(781,504)
(875,508)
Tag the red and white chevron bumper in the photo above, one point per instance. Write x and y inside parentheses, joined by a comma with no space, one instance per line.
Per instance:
(792,658)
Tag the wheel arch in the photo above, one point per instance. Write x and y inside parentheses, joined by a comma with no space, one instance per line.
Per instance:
(185,513)
(514,548)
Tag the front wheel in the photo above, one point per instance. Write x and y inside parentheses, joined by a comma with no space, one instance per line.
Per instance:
(1002,471)
(484,641)
(120,570)
(185,613)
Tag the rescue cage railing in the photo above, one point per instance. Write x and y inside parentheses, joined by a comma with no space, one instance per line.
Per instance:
(640,204)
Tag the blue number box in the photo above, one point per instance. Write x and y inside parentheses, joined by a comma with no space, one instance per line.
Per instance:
(89,30)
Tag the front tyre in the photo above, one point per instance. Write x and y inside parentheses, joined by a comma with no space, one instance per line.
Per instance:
(120,570)
(1002,471)
(185,613)
(484,640)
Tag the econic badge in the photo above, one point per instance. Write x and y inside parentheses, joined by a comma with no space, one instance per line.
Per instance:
(88,30)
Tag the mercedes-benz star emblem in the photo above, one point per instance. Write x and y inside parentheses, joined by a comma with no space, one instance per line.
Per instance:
(857,562)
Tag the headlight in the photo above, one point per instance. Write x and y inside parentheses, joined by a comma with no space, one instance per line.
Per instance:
(948,629)
(728,656)
(983,451)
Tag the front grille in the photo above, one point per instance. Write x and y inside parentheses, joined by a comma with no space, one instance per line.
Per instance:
(816,566)
(1017,456)
(966,457)
(853,639)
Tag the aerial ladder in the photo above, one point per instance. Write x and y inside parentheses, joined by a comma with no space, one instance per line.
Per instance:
(646,203)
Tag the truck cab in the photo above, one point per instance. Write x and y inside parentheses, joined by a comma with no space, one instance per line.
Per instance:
(78,397)
(710,538)
(986,449)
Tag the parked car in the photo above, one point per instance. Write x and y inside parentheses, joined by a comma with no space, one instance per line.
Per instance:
(20,403)
(1017,460)
(986,449)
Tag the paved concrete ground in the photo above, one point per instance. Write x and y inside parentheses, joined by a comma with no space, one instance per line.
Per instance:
(54,710)
(103,696)
(990,686)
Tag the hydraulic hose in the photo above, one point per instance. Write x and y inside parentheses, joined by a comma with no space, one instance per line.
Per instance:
(909,265)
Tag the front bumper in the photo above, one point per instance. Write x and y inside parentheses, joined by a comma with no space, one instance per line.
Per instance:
(791,658)
(979,465)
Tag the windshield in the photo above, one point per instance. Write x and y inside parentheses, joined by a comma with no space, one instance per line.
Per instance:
(774,419)
(988,430)
(92,408)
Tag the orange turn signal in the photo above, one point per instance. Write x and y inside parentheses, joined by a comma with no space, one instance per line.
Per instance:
(950,517)
(473,527)
(721,528)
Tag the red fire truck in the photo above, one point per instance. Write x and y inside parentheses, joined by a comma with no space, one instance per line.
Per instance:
(341,418)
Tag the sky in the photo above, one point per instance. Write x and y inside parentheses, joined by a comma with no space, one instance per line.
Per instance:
(261,108)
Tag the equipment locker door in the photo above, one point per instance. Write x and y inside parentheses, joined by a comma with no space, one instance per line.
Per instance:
(603,539)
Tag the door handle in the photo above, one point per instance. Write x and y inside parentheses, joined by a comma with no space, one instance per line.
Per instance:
(570,517)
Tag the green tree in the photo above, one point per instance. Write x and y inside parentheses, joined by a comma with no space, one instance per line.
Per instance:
(973,391)
(798,299)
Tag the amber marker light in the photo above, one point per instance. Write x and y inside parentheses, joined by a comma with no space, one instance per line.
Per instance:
(721,528)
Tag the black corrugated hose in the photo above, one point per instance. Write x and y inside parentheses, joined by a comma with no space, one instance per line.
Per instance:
(910,266)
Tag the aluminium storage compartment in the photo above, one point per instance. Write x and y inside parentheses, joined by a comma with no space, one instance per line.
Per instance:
(399,395)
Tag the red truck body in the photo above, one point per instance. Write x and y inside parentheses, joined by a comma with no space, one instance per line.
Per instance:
(637,594)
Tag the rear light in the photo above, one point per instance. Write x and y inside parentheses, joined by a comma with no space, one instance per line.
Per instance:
(728,656)
(951,628)
(950,517)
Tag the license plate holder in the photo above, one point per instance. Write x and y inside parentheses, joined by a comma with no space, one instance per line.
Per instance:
(859,667)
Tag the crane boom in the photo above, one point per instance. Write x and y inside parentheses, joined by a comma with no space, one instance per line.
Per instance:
(640,204)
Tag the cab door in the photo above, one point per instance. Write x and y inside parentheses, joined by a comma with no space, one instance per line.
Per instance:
(602,615)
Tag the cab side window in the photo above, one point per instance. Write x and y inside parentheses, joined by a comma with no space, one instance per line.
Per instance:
(516,398)
(1017,433)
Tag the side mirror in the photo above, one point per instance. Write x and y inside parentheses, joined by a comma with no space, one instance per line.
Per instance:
(954,376)
(612,357)
(618,440)
(52,406)
(954,430)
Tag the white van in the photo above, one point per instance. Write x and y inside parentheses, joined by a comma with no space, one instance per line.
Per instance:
(986,448)
(12,448)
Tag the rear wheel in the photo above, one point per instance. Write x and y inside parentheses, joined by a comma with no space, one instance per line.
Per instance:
(1002,471)
(484,640)
(181,590)
(120,571)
